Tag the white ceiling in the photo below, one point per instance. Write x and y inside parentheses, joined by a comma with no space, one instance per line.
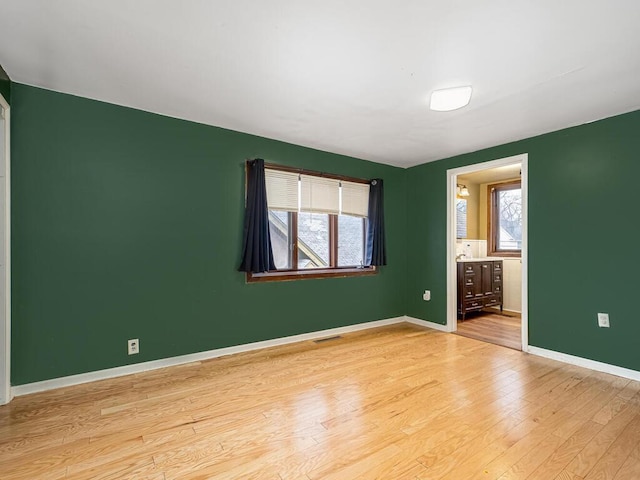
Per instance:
(350,77)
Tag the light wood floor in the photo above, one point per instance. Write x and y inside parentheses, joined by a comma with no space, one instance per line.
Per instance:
(393,403)
(493,328)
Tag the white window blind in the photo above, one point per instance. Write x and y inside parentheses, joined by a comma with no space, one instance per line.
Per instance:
(282,190)
(293,192)
(319,195)
(355,199)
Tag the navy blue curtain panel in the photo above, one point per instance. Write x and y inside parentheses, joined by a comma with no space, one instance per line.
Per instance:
(376,253)
(257,255)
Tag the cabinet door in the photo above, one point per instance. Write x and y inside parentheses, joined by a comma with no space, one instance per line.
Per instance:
(487,278)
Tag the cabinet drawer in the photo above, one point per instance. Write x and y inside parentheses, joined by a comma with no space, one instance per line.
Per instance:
(491,300)
(473,305)
(469,269)
(497,287)
(497,278)
(468,293)
(469,281)
(497,267)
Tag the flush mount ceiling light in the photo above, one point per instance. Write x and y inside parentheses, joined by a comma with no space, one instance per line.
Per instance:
(449,99)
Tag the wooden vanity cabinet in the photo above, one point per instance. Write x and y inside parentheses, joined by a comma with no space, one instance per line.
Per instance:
(479,286)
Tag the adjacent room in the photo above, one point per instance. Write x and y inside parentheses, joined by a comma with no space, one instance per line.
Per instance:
(489,226)
(331,240)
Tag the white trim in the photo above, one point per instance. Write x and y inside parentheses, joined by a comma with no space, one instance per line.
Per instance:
(586,363)
(192,357)
(522,159)
(452,285)
(5,390)
(200,356)
(524,254)
(425,323)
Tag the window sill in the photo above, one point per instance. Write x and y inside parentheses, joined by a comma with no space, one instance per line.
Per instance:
(508,254)
(287,275)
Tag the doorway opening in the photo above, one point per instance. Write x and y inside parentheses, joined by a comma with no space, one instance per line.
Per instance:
(487,251)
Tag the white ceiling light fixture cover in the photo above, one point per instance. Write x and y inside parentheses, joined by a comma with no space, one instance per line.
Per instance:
(449,99)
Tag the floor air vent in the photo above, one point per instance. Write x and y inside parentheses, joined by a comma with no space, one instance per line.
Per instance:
(328,339)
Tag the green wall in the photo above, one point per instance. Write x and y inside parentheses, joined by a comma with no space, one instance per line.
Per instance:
(583,231)
(5,85)
(127,224)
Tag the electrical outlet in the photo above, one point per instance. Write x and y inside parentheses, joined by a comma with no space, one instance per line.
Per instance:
(603,320)
(426,296)
(133,346)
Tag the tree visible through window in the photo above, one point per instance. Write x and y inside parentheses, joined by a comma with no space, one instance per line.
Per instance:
(505,219)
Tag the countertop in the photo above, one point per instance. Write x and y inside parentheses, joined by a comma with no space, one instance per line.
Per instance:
(479,259)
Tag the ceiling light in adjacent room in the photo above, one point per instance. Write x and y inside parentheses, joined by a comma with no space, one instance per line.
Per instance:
(450,98)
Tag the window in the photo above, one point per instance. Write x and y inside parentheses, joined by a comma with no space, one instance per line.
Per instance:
(461,218)
(317,224)
(505,219)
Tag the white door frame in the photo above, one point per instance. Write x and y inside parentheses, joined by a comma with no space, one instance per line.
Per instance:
(5,320)
(452,286)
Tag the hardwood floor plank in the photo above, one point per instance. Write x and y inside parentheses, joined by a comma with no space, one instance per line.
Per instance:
(539,431)
(560,458)
(398,402)
(357,467)
(564,475)
(493,328)
(489,440)
(582,464)
(524,467)
(630,390)
(635,453)
(630,470)
(392,468)
(608,465)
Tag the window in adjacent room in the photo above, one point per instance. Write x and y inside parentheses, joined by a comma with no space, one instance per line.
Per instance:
(505,219)
(317,224)
(461,218)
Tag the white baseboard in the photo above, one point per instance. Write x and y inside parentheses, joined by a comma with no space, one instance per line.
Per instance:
(425,323)
(192,357)
(200,356)
(586,363)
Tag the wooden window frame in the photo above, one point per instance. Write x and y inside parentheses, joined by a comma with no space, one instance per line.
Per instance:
(333,270)
(492,214)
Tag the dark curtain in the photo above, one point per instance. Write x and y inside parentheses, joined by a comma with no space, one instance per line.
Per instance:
(257,255)
(376,253)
